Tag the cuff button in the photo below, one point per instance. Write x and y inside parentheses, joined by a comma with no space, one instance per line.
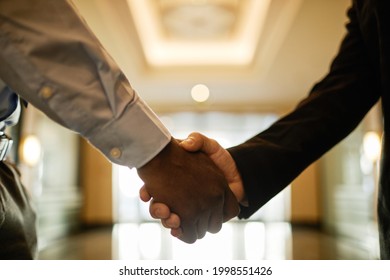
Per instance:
(115,152)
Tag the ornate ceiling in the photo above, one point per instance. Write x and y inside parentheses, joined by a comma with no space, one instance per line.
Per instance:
(199,32)
(204,20)
(252,54)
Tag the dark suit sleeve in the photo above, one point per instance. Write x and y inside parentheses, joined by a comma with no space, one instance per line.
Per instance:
(269,161)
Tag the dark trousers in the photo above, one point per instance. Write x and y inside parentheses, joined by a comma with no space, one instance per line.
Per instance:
(18,238)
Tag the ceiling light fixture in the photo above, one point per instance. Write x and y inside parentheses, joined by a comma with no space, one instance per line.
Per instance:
(200,93)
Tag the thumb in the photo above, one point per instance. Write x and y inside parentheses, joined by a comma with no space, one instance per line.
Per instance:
(194,142)
(197,142)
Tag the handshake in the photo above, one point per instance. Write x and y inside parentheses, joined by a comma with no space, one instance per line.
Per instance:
(194,186)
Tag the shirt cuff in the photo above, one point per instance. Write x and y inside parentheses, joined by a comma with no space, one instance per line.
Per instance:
(134,138)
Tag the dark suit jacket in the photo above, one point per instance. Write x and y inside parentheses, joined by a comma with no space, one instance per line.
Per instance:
(359,76)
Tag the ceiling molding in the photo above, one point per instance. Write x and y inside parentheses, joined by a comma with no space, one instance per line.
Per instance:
(162,51)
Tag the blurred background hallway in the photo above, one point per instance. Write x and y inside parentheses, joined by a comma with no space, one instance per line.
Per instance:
(228,69)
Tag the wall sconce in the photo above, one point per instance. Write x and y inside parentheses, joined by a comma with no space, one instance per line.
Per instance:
(30,150)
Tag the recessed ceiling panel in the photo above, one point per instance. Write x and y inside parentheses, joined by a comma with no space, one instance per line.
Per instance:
(199,20)
(185,32)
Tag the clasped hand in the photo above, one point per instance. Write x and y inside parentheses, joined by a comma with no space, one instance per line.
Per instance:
(194,186)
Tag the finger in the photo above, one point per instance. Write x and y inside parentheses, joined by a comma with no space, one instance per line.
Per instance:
(164,223)
(159,210)
(176,232)
(215,221)
(144,195)
(202,225)
(173,221)
(230,208)
(189,232)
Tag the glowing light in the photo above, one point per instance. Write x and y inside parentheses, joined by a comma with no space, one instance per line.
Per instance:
(31,150)
(200,93)
(372,146)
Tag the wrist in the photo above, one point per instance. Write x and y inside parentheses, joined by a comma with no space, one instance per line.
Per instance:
(155,163)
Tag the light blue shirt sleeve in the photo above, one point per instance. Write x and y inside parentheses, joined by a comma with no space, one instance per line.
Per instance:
(51,58)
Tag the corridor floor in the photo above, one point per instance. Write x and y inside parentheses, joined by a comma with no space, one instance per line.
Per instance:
(237,241)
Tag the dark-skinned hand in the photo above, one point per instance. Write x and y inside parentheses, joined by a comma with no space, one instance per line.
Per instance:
(193,187)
